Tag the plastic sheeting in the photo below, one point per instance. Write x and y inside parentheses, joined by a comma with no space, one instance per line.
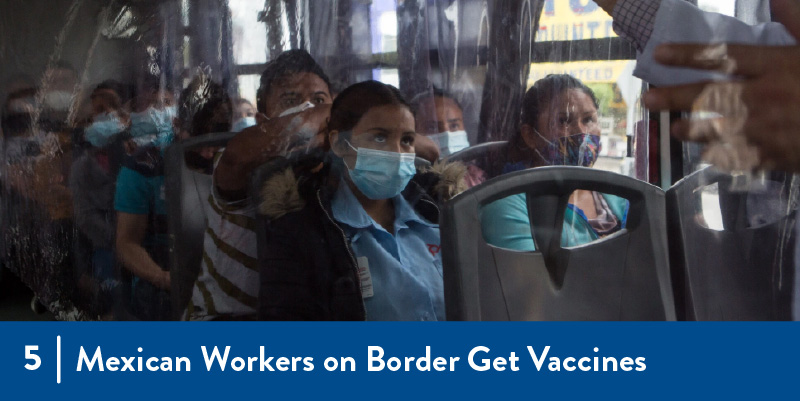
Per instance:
(128,62)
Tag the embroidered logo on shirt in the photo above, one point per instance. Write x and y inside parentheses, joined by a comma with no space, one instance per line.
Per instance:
(434,249)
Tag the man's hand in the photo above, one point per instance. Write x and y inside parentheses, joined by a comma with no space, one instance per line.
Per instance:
(256,145)
(426,148)
(766,88)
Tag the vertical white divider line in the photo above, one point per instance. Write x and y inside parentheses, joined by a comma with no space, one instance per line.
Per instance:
(58,359)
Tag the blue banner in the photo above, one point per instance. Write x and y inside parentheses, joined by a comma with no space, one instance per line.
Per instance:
(177,360)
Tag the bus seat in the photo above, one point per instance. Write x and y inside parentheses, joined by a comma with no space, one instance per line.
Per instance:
(742,269)
(624,276)
(186,193)
(484,155)
(476,152)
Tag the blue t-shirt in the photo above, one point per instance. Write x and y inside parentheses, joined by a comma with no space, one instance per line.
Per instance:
(139,194)
(505,223)
(405,269)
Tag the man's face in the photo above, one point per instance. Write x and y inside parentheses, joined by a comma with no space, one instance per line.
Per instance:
(295,89)
(439,114)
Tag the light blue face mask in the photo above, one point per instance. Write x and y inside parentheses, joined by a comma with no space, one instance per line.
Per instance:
(243,123)
(153,122)
(381,175)
(450,142)
(103,129)
(155,125)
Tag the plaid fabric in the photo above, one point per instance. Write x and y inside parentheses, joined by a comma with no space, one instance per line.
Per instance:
(634,20)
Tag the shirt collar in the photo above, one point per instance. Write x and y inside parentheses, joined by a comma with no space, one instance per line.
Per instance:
(347,210)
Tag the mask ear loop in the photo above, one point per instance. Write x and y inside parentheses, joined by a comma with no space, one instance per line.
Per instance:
(549,142)
(354,149)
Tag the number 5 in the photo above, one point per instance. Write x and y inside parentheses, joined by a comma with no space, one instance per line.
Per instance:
(30,355)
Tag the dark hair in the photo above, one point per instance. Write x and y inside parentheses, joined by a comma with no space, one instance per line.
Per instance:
(124,92)
(288,63)
(154,83)
(16,123)
(435,92)
(200,103)
(358,99)
(240,101)
(544,90)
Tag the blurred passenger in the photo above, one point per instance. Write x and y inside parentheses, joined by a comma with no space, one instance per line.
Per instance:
(205,108)
(37,205)
(244,116)
(441,119)
(59,87)
(558,128)
(227,287)
(93,184)
(152,116)
(141,235)
(358,238)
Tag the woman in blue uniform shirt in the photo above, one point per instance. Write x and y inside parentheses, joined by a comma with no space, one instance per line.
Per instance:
(356,237)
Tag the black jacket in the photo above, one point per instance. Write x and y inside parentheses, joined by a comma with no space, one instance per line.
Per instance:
(307,267)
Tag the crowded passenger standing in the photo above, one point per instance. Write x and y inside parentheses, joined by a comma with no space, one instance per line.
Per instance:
(142,246)
(93,183)
(357,238)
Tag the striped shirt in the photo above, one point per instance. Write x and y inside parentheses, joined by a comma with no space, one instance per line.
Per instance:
(227,287)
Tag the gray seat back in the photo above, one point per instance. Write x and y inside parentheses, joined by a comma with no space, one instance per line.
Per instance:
(743,270)
(621,277)
(476,152)
(186,194)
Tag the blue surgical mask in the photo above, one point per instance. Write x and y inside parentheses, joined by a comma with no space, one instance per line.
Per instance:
(156,124)
(153,122)
(381,175)
(450,142)
(243,123)
(103,129)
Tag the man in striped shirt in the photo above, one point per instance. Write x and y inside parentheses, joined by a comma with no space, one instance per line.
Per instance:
(294,98)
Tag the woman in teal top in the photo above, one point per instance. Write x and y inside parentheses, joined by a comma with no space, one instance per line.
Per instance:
(558,127)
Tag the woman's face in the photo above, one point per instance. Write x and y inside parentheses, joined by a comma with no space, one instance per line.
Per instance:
(572,112)
(244,109)
(388,128)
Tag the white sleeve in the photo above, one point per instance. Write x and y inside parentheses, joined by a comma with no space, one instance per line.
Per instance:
(677,21)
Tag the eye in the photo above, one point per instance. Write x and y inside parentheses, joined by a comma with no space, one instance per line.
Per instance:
(563,121)
(319,100)
(454,127)
(379,138)
(408,140)
(289,102)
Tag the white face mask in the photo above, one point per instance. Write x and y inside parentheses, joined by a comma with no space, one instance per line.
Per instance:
(450,142)
(58,100)
(296,109)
